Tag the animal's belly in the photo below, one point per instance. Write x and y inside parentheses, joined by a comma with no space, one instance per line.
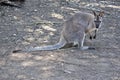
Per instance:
(72,37)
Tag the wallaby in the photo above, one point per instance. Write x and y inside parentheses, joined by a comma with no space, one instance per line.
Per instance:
(74,31)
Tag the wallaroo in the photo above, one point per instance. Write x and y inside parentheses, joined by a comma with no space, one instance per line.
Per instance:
(74,31)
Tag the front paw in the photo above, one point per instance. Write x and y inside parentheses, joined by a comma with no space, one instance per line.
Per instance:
(94,37)
(90,37)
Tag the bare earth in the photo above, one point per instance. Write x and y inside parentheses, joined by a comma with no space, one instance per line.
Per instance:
(38,23)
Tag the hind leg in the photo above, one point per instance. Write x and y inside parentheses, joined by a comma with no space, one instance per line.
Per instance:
(81,43)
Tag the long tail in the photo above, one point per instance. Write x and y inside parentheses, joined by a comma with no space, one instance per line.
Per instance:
(43,48)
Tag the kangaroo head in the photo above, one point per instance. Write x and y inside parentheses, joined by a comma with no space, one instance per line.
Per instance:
(98,18)
(97,21)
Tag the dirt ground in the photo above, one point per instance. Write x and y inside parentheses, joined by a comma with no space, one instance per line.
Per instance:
(39,22)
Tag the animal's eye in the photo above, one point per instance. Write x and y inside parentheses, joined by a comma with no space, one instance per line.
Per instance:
(97,22)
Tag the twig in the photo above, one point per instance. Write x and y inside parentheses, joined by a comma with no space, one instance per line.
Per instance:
(9,3)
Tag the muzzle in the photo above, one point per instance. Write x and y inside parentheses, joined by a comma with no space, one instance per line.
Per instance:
(97,23)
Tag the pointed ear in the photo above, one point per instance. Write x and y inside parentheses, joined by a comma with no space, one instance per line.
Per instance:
(94,13)
(101,13)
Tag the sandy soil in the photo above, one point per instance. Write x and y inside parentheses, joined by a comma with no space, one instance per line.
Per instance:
(39,22)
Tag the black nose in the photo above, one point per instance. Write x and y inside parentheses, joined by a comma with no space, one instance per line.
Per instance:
(97,23)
